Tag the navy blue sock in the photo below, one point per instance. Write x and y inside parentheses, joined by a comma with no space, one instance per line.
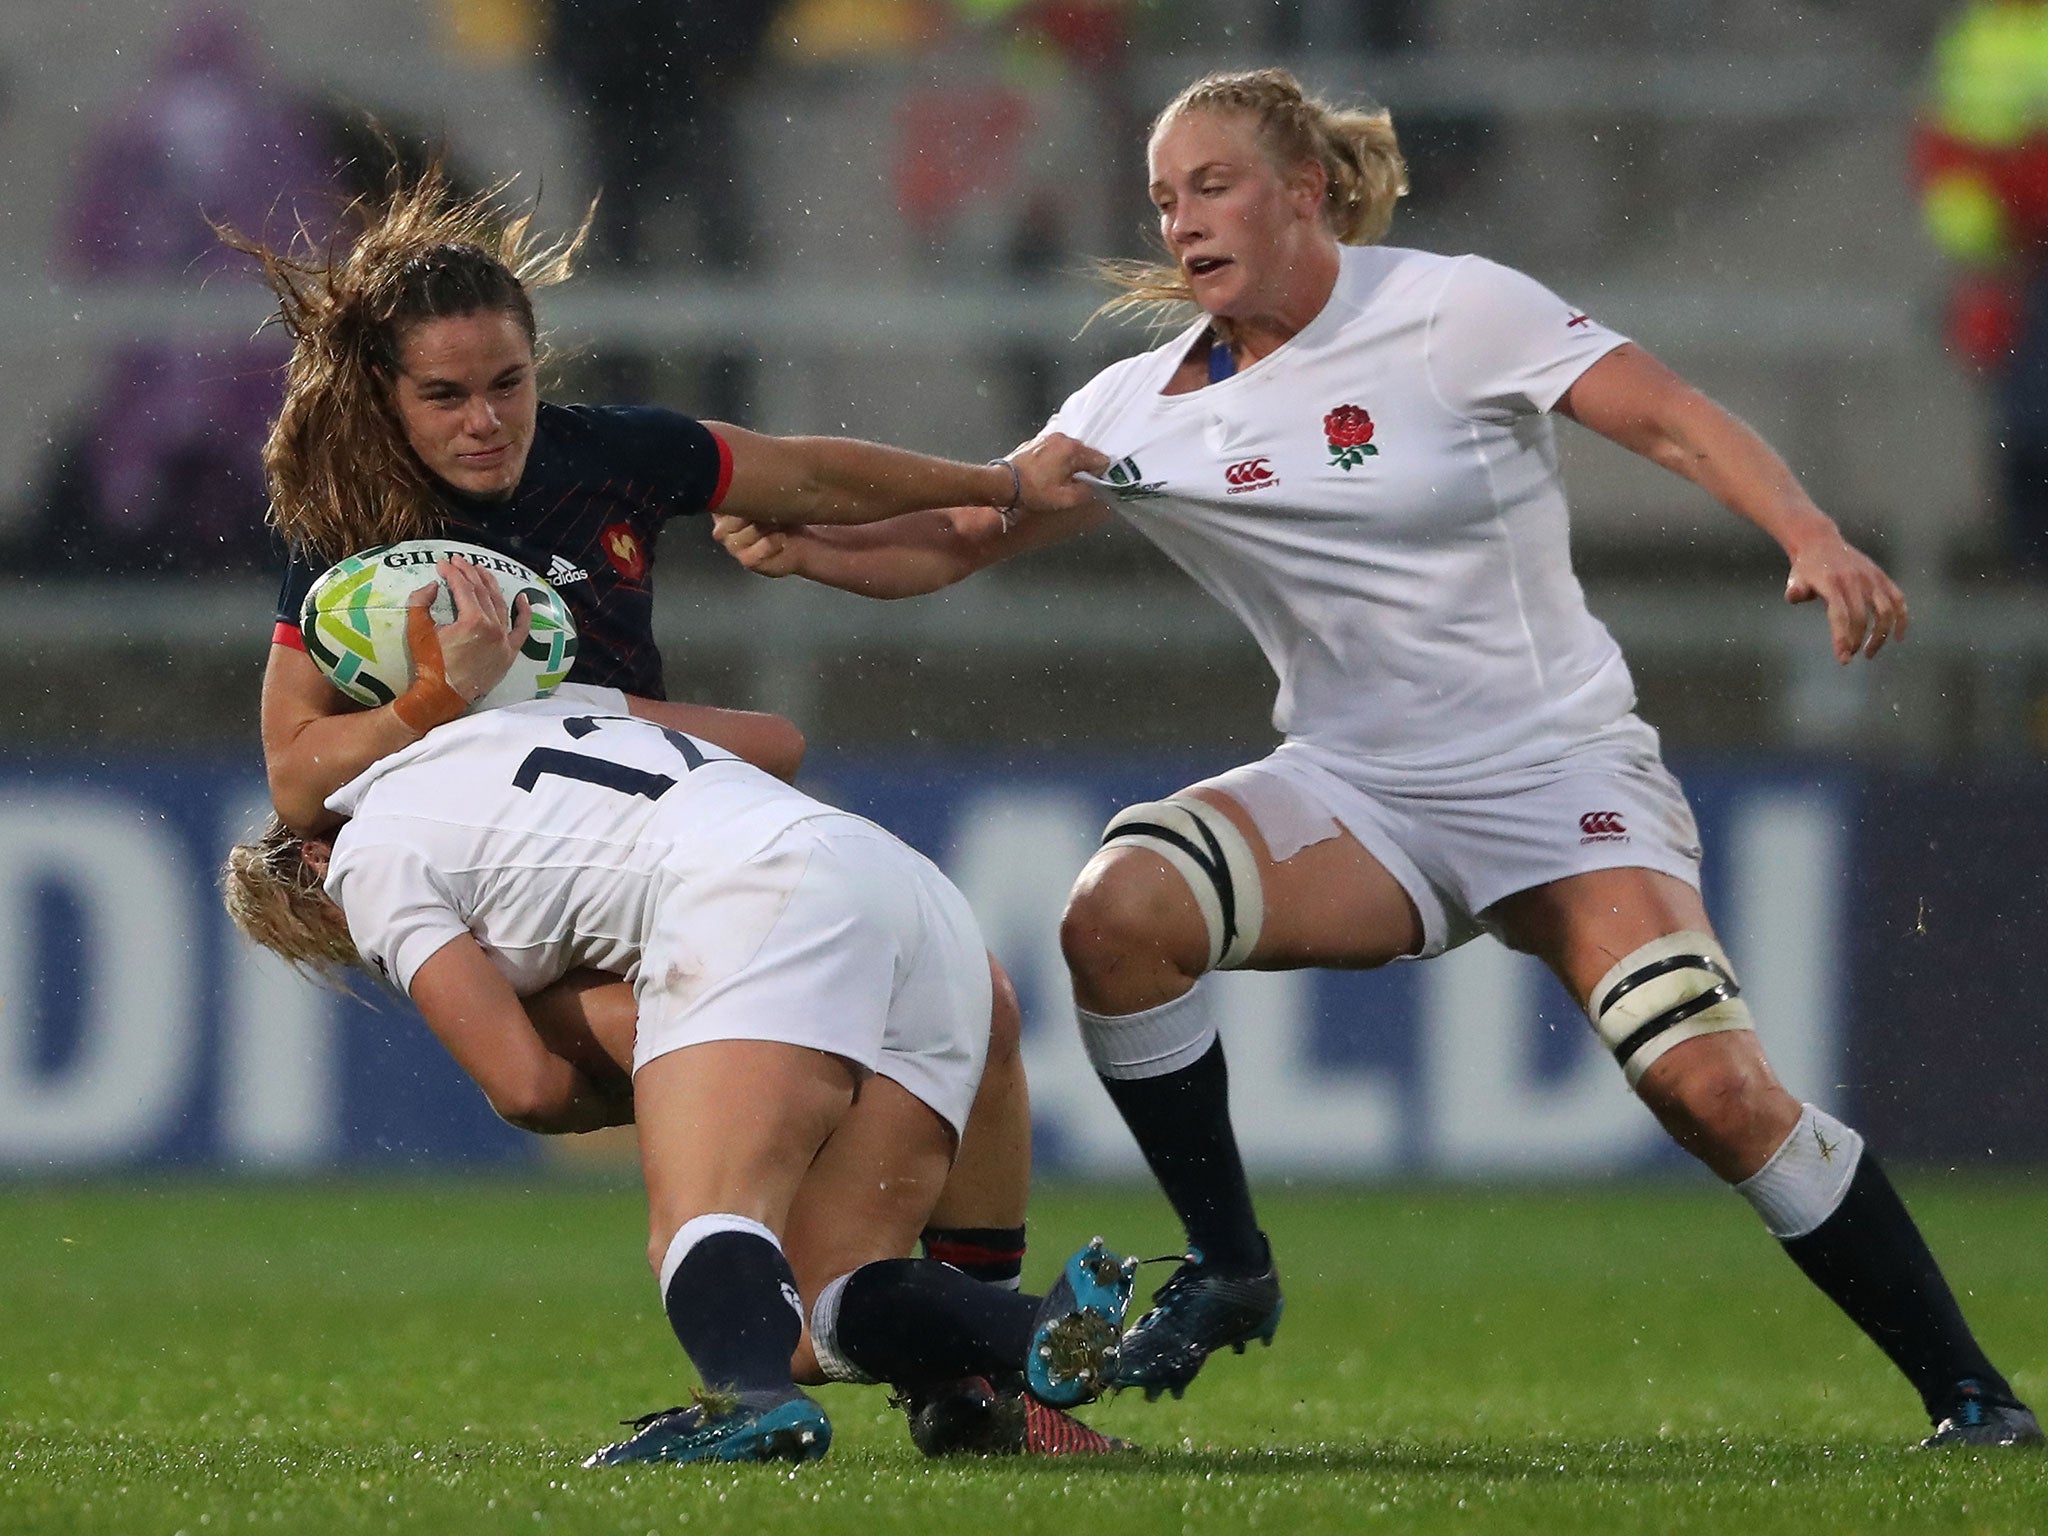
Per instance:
(733,1303)
(1182,1124)
(913,1322)
(992,1255)
(1871,1261)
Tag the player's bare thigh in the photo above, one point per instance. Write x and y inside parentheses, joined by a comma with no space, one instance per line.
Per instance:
(732,1126)
(1330,904)
(1585,925)
(867,1195)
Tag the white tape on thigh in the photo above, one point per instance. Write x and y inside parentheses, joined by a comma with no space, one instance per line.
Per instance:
(1205,848)
(1671,990)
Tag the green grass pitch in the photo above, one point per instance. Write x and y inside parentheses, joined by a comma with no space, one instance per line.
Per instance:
(436,1357)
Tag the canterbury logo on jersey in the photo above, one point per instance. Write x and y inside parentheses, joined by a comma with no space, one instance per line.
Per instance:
(561,572)
(1250,475)
(1128,483)
(1602,827)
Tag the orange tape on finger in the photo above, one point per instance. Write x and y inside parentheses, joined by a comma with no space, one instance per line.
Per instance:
(429,701)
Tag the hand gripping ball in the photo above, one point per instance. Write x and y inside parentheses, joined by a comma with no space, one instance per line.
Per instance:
(353,621)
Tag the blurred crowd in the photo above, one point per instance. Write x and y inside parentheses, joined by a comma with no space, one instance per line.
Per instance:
(161,470)
(1980,161)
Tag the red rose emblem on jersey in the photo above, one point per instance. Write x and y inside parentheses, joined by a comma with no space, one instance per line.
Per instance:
(1349,430)
(622,547)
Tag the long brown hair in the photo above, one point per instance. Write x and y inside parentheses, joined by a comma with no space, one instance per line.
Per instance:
(341,473)
(276,899)
(1361,160)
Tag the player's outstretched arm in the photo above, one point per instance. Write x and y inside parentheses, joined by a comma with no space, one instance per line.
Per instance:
(315,739)
(474,1012)
(1632,399)
(905,556)
(769,742)
(814,480)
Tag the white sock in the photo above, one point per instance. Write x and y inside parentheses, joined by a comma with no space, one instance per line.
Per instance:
(825,1335)
(1807,1176)
(1151,1043)
(695,1230)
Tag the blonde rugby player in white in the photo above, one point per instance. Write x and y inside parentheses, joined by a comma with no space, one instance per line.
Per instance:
(1351,448)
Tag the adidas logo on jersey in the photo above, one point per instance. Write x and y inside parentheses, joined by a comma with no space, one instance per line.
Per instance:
(561,572)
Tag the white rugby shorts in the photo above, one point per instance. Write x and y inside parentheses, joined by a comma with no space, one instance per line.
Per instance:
(834,936)
(1459,843)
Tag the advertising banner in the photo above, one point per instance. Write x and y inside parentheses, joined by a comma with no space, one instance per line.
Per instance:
(137,1029)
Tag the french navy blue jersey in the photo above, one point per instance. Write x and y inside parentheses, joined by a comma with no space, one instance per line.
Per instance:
(600,481)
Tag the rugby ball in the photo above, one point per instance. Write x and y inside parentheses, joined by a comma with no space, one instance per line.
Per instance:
(353,621)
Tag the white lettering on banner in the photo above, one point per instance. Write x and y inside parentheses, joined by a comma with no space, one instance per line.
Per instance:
(120,1089)
(1291,1113)
(1015,854)
(1485,1108)
(280,1097)
(1789,863)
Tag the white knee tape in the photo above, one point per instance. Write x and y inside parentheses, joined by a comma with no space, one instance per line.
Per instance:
(1669,991)
(1205,848)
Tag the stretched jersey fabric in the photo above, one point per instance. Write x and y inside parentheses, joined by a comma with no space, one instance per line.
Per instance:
(1378,501)
(599,483)
(545,832)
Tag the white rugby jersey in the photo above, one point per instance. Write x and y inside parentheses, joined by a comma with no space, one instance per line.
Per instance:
(1378,501)
(545,830)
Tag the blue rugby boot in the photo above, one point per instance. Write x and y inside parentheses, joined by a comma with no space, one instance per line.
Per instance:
(725,1426)
(1074,1340)
(1197,1312)
(1976,1418)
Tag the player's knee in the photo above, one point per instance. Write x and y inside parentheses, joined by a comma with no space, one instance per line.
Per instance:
(1201,867)
(1123,916)
(1712,1091)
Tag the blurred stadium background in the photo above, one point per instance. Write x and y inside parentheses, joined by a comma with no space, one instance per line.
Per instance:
(885,234)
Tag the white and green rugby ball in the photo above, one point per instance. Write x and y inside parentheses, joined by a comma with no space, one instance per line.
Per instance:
(353,621)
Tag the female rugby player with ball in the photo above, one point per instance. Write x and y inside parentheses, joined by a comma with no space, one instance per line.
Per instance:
(412,410)
(1350,446)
